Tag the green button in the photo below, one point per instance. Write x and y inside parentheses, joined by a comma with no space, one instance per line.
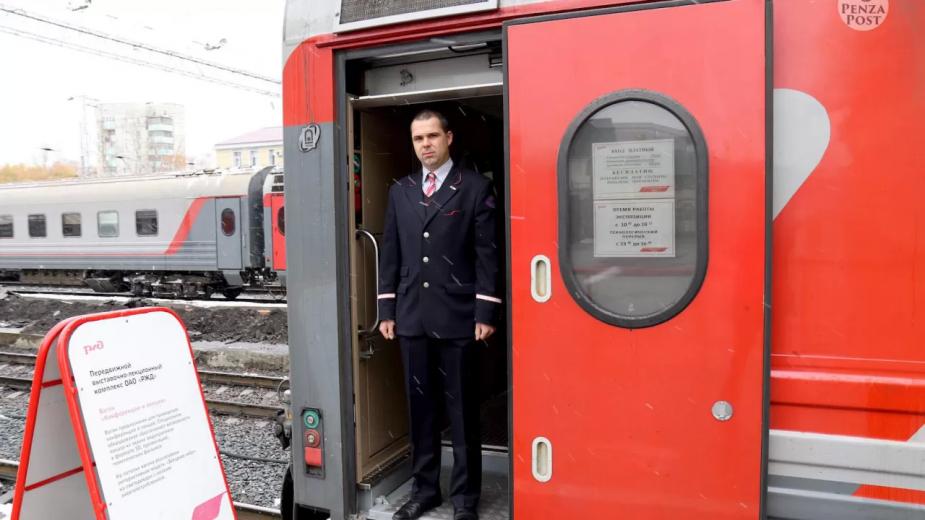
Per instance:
(311,419)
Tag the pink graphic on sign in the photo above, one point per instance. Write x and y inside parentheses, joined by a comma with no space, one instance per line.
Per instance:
(209,509)
(863,15)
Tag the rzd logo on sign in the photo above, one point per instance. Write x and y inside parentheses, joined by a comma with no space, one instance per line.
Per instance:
(863,15)
(95,346)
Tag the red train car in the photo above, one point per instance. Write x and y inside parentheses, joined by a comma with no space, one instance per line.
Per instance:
(710,230)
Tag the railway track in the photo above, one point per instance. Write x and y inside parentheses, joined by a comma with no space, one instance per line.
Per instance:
(44,291)
(205,376)
(9,468)
(217,406)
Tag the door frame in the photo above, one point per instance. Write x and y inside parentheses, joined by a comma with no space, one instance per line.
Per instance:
(343,229)
(768,214)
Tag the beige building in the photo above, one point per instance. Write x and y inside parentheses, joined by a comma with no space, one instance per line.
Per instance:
(256,149)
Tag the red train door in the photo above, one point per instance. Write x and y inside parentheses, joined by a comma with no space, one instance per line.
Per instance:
(638,222)
(278,216)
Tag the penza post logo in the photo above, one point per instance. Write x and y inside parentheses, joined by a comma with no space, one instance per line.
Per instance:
(863,15)
(93,346)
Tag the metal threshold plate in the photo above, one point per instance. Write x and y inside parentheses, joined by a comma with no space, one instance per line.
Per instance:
(494,504)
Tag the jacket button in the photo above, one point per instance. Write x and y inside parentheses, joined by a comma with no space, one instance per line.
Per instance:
(427,234)
(425,259)
(426,285)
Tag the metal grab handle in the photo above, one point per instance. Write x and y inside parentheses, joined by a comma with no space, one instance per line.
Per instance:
(374,328)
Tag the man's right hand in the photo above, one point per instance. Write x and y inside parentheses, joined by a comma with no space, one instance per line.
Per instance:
(387,329)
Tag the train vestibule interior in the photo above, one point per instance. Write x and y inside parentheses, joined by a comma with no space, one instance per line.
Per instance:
(464,83)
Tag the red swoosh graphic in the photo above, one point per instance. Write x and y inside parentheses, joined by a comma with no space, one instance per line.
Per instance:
(209,509)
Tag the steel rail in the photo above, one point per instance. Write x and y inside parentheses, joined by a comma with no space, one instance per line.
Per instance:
(17,358)
(227,378)
(215,405)
(247,410)
(205,376)
(251,512)
(51,292)
(8,469)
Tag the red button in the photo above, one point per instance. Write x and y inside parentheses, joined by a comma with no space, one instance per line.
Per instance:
(312,438)
(313,457)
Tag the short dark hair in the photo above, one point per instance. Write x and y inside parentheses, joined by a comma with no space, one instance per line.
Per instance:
(428,113)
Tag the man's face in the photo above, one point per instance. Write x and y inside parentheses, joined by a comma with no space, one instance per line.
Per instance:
(431,143)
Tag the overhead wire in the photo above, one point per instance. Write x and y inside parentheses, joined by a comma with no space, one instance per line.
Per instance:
(134,44)
(134,61)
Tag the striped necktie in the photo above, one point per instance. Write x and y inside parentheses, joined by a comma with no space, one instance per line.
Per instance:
(431,184)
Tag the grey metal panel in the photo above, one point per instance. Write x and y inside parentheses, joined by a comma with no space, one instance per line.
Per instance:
(319,352)
(360,14)
(840,458)
(814,476)
(306,18)
(793,504)
(228,247)
(447,73)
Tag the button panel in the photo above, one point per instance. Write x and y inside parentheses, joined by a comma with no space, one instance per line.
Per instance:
(312,442)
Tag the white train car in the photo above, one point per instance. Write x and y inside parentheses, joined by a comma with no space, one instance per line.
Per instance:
(181,234)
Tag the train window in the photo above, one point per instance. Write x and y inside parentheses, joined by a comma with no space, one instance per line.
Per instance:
(107,223)
(633,208)
(228,222)
(281,220)
(37,227)
(6,226)
(146,222)
(70,224)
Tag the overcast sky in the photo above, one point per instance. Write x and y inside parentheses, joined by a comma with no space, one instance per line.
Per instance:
(36,79)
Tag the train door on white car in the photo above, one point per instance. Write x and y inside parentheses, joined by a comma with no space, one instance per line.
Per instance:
(228,237)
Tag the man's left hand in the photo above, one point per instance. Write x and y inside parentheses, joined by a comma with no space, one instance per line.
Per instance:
(483,331)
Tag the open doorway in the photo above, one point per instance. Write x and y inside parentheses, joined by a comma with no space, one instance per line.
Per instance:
(381,153)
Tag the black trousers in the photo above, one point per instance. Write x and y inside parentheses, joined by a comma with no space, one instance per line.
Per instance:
(442,373)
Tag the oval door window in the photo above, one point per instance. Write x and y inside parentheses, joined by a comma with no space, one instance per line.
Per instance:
(228,222)
(633,208)
(281,220)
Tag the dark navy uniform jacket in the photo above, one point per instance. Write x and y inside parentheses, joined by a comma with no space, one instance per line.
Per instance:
(439,262)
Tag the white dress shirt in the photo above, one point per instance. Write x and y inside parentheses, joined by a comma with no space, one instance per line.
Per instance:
(441,172)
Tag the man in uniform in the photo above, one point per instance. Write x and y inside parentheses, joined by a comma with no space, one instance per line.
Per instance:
(437,294)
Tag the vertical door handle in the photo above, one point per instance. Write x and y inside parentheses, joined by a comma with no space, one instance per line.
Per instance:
(540,278)
(374,326)
(542,459)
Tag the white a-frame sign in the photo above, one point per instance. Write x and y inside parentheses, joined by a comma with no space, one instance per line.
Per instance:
(118,428)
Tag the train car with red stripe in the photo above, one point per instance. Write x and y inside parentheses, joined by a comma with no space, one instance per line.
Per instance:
(181,235)
(712,236)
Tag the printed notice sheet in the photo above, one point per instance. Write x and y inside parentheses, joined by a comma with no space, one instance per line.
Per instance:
(145,419)
(633,191)
(633,169)
(634,228)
